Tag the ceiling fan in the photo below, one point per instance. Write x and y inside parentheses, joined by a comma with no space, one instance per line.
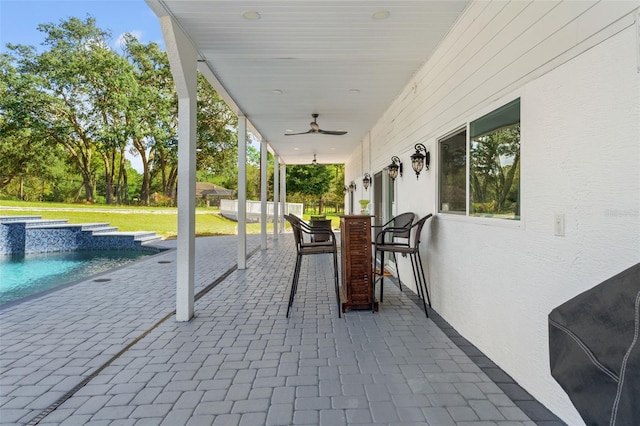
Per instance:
(316,129)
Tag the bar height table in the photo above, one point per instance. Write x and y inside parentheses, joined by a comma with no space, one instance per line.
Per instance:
(357,268)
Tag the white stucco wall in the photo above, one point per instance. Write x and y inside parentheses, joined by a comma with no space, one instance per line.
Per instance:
(496,281)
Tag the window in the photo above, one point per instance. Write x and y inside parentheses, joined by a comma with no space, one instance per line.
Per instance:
(491,188)
(453,173)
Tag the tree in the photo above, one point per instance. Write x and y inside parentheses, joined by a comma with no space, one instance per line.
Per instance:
(217,155)
(312,180)
(217,134)
(153,118)
(336,193)
(81,95)
(74,95)
(154,122)
(495,165)
(18,157)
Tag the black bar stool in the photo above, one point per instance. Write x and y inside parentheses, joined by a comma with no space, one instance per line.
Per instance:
(412,249)
(325,246)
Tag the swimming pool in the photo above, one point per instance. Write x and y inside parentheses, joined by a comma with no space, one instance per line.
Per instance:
(25,275)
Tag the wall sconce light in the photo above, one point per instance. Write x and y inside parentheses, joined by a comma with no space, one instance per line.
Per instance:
(420,160)
(394,168)
(346,189)
(366,180)
(352,186)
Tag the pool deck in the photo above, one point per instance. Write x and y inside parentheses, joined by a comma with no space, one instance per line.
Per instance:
(110,352)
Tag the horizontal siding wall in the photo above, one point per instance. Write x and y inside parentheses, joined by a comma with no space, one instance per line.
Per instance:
(575,67)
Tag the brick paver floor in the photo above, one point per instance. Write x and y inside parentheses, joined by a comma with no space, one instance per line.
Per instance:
(239,361)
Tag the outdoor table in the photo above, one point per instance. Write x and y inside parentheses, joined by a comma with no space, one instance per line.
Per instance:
(357,268)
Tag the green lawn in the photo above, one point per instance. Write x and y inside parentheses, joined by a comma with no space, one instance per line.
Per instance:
(162,221)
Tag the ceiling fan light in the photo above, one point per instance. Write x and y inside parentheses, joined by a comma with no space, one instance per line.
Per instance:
(251,15)
(381,15)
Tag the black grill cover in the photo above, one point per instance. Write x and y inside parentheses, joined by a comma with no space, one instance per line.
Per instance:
(594,350)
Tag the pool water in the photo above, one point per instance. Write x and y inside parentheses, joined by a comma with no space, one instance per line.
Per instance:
(25,275)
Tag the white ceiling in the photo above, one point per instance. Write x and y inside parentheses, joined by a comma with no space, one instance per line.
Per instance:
(302,57)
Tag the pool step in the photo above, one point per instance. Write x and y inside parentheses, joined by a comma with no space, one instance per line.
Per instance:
(32,221)
(140,237)
(95,226)
(45,222)
(6,219)
(32,234)
(54,224)
(104,230)
(149,239)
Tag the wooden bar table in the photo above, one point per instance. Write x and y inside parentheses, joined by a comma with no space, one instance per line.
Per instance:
(357,268)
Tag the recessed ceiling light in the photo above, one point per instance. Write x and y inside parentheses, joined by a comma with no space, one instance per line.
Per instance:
(354,91)
(381,14)
(277,92)
(296,148)
(251,15)
(288,130)
(333,149)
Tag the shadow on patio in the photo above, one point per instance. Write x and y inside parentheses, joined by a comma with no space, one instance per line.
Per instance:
(240,361)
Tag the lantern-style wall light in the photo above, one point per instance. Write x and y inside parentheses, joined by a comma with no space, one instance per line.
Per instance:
(366,180)
(420,159)
(352,187)
(346,189)
(394,168)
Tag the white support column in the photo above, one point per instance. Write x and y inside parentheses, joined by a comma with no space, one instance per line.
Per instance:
(283,194)
(242,192)
(183,60)
(276,196)
(263,194)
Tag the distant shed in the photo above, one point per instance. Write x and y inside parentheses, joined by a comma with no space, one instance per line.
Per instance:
(212,194)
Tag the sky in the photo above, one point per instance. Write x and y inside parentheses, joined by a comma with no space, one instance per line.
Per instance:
(19,19)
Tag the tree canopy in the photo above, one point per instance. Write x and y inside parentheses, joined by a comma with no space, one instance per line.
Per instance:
(312,180)
(88,105)
(494,171)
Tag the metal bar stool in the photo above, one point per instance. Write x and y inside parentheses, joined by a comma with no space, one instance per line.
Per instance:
(328,246)
(397,231)
(412,249)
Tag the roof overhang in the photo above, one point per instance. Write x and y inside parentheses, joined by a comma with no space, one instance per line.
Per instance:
(279,62)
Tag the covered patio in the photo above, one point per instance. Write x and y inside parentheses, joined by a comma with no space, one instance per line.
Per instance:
(110,352)
(382,79)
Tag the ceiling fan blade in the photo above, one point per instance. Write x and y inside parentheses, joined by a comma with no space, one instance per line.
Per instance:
(316,129)
(332,132)
(302,133)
